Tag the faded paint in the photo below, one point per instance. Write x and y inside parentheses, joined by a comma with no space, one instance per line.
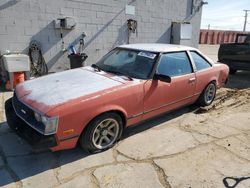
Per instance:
(157,47)
(77,96)
(61,87)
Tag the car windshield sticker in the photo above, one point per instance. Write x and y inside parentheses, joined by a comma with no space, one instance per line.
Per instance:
(147,54)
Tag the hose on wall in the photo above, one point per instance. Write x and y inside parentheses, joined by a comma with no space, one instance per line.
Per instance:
(38,65)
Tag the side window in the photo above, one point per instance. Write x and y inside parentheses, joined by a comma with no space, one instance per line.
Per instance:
(174,64)
(199,61)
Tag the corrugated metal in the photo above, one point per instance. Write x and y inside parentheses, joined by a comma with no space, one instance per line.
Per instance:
(217,36)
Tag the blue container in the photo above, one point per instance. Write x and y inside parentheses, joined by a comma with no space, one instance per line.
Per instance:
(72,49)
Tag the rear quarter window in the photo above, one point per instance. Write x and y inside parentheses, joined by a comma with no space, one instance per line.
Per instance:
(200,62)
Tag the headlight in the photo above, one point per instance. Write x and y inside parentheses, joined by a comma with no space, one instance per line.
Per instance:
(50,124)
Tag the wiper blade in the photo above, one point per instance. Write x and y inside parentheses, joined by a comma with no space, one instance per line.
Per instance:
(95,66)
(120,73)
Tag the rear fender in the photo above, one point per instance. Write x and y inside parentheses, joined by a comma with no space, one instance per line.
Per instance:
(223,75)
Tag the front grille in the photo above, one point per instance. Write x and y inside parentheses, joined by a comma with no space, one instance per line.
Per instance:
(33,137)
(22,110)
(27,114)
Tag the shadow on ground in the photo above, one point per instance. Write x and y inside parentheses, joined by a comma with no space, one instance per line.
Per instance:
(21,162)
(135,129)
(240,80)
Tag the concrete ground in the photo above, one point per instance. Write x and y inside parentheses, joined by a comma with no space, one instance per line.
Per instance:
(190,147)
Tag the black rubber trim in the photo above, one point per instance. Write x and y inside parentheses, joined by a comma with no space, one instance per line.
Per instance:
(162,106)
(23,130)
(69,138)
(134,116)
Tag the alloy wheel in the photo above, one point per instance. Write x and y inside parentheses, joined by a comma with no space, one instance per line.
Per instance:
(105,133)
(210,93)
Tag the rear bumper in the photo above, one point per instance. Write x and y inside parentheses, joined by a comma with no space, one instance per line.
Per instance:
(23,130)
(238,65)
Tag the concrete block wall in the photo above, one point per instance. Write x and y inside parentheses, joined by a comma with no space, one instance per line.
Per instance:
(104,22)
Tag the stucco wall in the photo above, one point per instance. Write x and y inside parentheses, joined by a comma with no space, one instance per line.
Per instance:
(104,22)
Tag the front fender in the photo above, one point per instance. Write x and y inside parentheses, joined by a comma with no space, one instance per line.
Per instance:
(76,118)
(107,108)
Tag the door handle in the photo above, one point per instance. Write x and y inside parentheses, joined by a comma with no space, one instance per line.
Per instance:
(191,80)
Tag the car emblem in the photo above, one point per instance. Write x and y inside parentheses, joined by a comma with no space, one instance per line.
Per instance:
(23,111)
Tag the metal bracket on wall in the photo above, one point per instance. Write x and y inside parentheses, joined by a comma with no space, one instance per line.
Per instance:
(132,27)
(65,23)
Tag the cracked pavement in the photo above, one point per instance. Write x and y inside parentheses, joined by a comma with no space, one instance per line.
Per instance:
(190,147)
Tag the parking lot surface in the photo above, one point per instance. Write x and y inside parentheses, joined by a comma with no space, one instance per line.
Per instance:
(190,147)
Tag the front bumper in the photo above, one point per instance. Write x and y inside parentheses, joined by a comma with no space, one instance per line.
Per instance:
(25,131)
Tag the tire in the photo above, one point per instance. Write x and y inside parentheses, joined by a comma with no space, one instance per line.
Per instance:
(12,119)
(208,95)
(232,71)
(97,137)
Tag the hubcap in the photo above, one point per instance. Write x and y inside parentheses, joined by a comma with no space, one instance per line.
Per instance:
(105,133)
(210,93)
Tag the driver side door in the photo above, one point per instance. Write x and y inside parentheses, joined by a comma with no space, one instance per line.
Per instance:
(159,96)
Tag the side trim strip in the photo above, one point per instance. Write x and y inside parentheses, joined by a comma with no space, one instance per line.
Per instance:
(136,115)
(133,116)
(71,137)
(197,94)
(164,105)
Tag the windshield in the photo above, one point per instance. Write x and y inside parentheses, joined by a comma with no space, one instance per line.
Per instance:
(135,64)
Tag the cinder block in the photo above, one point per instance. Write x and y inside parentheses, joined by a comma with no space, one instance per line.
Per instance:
(67,11)
(3,30)
(14,30)
(52,9)
(101,14)
(17,47)
(95,20)
(73,4)
(4,45)
(96,7)
(85,6)
(30,31)
(106,8)
(22,39)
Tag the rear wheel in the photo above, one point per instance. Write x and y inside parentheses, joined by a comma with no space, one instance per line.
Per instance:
(208,95)
(102,133)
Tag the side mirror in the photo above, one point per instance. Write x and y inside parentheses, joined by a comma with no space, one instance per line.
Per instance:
(163,78)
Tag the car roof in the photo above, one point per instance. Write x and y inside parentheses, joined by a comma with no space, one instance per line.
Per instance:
(157,47)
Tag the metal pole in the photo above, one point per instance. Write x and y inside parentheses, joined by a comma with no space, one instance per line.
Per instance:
(245,22)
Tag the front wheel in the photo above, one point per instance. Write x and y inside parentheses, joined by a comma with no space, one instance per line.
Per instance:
(102,133)
(208,95)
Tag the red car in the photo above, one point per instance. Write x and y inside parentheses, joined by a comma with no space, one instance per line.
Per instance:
(93,105)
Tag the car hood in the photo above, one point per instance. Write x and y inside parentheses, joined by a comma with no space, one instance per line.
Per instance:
(47,92)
